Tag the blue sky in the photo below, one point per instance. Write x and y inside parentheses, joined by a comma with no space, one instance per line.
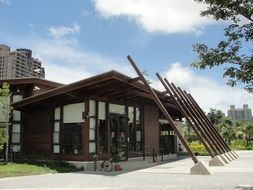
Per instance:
(78,39)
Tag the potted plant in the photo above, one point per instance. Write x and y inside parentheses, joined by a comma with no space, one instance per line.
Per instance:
(75,149)
(116,159)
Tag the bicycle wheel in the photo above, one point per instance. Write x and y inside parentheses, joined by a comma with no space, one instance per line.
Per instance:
(107,166)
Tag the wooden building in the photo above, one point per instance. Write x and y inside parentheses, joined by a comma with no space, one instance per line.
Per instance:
(71,122)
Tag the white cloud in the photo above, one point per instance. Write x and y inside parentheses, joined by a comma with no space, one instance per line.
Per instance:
(206,91)
(6,2)
(65,62)
(63,74)
(160,16)
(61,31)
(182,76)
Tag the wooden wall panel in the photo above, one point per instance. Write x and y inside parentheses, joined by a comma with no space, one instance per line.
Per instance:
(151,127)
(37,132)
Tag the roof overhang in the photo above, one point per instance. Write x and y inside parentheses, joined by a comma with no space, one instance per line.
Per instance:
(33,80)
(111,86)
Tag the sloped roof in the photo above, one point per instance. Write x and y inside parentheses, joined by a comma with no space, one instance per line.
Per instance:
(31,80)
(111,86)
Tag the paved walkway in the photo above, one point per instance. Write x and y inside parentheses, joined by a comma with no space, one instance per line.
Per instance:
(175,175)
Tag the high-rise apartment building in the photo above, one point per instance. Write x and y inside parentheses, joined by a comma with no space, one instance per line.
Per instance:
(19,64)
(240,113)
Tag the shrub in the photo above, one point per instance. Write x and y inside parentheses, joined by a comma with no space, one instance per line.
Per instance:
(240,145)
(198,149)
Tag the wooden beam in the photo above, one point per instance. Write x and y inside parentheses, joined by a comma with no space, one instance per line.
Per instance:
(200,132)
(163,110)
(72,95)
(134,80)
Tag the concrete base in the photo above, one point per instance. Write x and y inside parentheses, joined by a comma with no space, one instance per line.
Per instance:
(200,169)
(216,161)
(225,160)
(236,155)
(229,156)
(232,155)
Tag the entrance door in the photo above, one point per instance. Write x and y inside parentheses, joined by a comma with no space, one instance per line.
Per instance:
(167,139)
(118,135)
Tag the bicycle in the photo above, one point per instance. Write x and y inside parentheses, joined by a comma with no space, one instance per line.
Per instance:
(105,164)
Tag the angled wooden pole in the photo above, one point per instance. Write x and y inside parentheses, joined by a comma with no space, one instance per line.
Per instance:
(184,110)
(209,127)
(163,110)
(214,140)
(208,121)
(228,149)
(206,133)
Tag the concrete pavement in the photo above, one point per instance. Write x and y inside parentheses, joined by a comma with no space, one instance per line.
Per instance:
(174,175)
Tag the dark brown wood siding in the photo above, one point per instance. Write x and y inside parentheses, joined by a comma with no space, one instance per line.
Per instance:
(151,127)
(37,137)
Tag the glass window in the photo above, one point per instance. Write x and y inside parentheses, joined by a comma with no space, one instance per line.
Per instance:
(115,108)
(56,138)
(57,113)
(16,115)
(16,98)
(73,113)
(92,123)
(92,134)
(134,129)
(15,138)
(16,128)
(16,148)
(56,149)
(131,114)
(56,131)
(92,131)
(92,147)
(137,114)
(56,126)
(72,138)
(92,108)
(101,110)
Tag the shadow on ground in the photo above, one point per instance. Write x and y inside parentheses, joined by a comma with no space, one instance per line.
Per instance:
(126,170)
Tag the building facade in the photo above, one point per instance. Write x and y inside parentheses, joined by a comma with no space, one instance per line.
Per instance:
(19,64)
(71,122)
(240,113)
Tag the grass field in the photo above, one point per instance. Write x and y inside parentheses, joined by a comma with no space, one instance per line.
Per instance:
(14,169)
(20,169)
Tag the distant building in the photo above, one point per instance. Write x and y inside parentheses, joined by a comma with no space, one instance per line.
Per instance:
(19,64)
(240,113)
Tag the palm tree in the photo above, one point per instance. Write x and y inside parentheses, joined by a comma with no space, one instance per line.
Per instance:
(227,129)
(248,134)
(215,116)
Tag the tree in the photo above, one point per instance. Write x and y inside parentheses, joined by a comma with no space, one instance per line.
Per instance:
(235,52)
(189,133)
(5,110)
(227,130)
(215,116)
(249,134)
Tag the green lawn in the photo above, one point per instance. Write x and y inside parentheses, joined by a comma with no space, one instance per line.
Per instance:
(14,169)
(20,169)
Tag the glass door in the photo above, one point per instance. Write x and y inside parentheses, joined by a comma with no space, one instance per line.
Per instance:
(167,144)
(118,135)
